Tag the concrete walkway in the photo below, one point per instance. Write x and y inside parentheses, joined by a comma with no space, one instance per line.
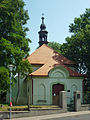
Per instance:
(43,117)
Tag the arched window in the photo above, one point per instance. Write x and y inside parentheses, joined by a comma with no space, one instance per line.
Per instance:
(42,92)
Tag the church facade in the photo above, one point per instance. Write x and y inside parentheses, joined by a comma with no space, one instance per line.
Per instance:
(51,74)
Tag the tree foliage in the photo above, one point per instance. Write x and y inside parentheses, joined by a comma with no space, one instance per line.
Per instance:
(4,74)
(77,47)
(14,46)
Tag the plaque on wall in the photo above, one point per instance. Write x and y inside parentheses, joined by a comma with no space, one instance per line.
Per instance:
(78,96)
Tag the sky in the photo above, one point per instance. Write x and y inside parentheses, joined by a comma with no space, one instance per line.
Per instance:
(58,14)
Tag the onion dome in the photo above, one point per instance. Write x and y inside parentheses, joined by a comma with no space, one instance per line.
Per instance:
(42,26)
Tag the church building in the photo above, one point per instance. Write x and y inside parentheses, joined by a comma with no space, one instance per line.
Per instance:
(51,74)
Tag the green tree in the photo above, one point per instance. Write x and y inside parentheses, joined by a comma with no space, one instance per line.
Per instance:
(14,46)
(77,47)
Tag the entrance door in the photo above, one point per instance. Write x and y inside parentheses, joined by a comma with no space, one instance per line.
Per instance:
(55,92)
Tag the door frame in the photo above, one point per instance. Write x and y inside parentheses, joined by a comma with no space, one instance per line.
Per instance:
(55,100)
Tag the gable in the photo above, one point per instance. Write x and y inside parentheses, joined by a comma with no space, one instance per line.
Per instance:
(59,72)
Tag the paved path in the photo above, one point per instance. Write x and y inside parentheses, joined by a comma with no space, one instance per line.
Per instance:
(54,116)
(77,117)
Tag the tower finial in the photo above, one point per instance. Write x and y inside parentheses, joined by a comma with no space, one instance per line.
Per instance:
(42,18)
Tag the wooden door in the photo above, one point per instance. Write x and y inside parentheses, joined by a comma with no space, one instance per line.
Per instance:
(56,88)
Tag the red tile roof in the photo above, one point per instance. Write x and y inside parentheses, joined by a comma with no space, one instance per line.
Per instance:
(49,58)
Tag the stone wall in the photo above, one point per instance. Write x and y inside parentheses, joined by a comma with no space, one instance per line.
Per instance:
(85,107)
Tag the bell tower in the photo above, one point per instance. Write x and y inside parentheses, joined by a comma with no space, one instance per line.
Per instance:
(42,34)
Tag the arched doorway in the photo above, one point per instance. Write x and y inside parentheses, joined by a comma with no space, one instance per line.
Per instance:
(56,88)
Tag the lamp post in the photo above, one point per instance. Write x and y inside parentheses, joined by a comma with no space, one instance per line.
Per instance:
(11,68)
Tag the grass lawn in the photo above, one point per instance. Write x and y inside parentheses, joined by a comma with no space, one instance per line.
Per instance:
(5,107)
